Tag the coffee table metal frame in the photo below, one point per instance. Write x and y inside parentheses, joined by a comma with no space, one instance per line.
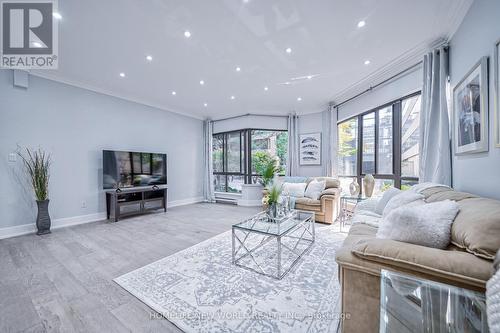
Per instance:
(303,225)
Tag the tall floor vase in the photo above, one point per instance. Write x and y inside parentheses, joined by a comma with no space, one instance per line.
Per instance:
(43,218)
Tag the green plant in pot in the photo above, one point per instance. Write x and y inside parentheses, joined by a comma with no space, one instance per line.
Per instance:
(37,165)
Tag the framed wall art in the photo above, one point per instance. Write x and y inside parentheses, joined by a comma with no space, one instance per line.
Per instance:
(310,149)
(470,109)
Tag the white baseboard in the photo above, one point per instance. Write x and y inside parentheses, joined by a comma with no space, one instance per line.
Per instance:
(17,230)
(183,202)
(25,229)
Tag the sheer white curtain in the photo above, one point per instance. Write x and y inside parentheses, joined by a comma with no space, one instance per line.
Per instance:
(292,163)
(435,153)
(329,128)
(208,176)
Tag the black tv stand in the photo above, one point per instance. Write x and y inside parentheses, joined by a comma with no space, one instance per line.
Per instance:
(136,200)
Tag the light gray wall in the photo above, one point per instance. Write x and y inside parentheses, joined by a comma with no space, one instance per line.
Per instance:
(475,38)
(75,125)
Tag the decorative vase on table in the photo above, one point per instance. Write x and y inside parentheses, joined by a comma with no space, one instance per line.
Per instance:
(368,185)
(43,217)
(272,211)
(354,187)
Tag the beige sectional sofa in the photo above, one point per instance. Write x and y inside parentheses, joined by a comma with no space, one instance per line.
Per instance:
(467,262)
(327,207)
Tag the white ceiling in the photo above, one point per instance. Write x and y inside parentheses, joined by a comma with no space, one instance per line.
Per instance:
(99,39)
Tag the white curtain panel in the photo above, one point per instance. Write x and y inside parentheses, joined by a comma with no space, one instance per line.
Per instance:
(329,142)
(334,140)
(292,164)
(435,153)
(208,176)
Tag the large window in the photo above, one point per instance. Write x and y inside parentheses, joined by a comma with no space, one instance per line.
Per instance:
(388,139)
(237,156)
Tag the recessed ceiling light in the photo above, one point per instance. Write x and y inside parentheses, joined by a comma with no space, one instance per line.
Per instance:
(149,58)
(288,50)
(367,62)
(56,15)
(174,93)
(287,83)
(246,1)
(202,82)
(361,24)
(187,34)
(122,74)
(238,69)
(309,77)
(205,104)
(232,97)
(299,99)
(266,88)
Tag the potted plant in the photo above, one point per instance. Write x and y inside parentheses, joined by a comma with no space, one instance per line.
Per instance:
(37,165)
(271,199)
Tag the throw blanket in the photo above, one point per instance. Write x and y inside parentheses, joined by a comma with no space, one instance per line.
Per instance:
(493,298)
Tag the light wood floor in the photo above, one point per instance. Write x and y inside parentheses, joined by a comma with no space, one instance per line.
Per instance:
(62,282)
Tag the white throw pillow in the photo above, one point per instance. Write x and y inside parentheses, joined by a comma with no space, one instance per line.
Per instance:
(314,189)
(388,195)
(401,199)
(296,190)
(427,225)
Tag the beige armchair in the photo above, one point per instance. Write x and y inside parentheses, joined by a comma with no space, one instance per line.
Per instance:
(326,209)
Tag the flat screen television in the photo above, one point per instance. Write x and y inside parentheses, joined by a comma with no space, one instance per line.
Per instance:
(122,169)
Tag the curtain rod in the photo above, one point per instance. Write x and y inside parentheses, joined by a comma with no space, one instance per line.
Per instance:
(378,84)
(250,114)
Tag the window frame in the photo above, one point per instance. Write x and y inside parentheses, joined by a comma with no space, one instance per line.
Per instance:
(246,161)
(396,175)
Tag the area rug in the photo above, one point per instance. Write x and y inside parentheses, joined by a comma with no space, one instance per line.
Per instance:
(200,290)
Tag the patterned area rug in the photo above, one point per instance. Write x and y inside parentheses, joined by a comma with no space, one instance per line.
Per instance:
(199,290)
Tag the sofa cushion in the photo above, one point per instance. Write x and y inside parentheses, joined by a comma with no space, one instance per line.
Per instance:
(330,191)
(451,264)
(477,227)
(329,181)
(442,193)
(308,204)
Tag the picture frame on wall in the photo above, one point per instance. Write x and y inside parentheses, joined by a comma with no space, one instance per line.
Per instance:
(310,149)
(497,94)
(470,110)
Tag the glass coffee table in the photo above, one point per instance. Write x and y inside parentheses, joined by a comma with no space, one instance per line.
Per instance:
(272,248)
(411,304)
